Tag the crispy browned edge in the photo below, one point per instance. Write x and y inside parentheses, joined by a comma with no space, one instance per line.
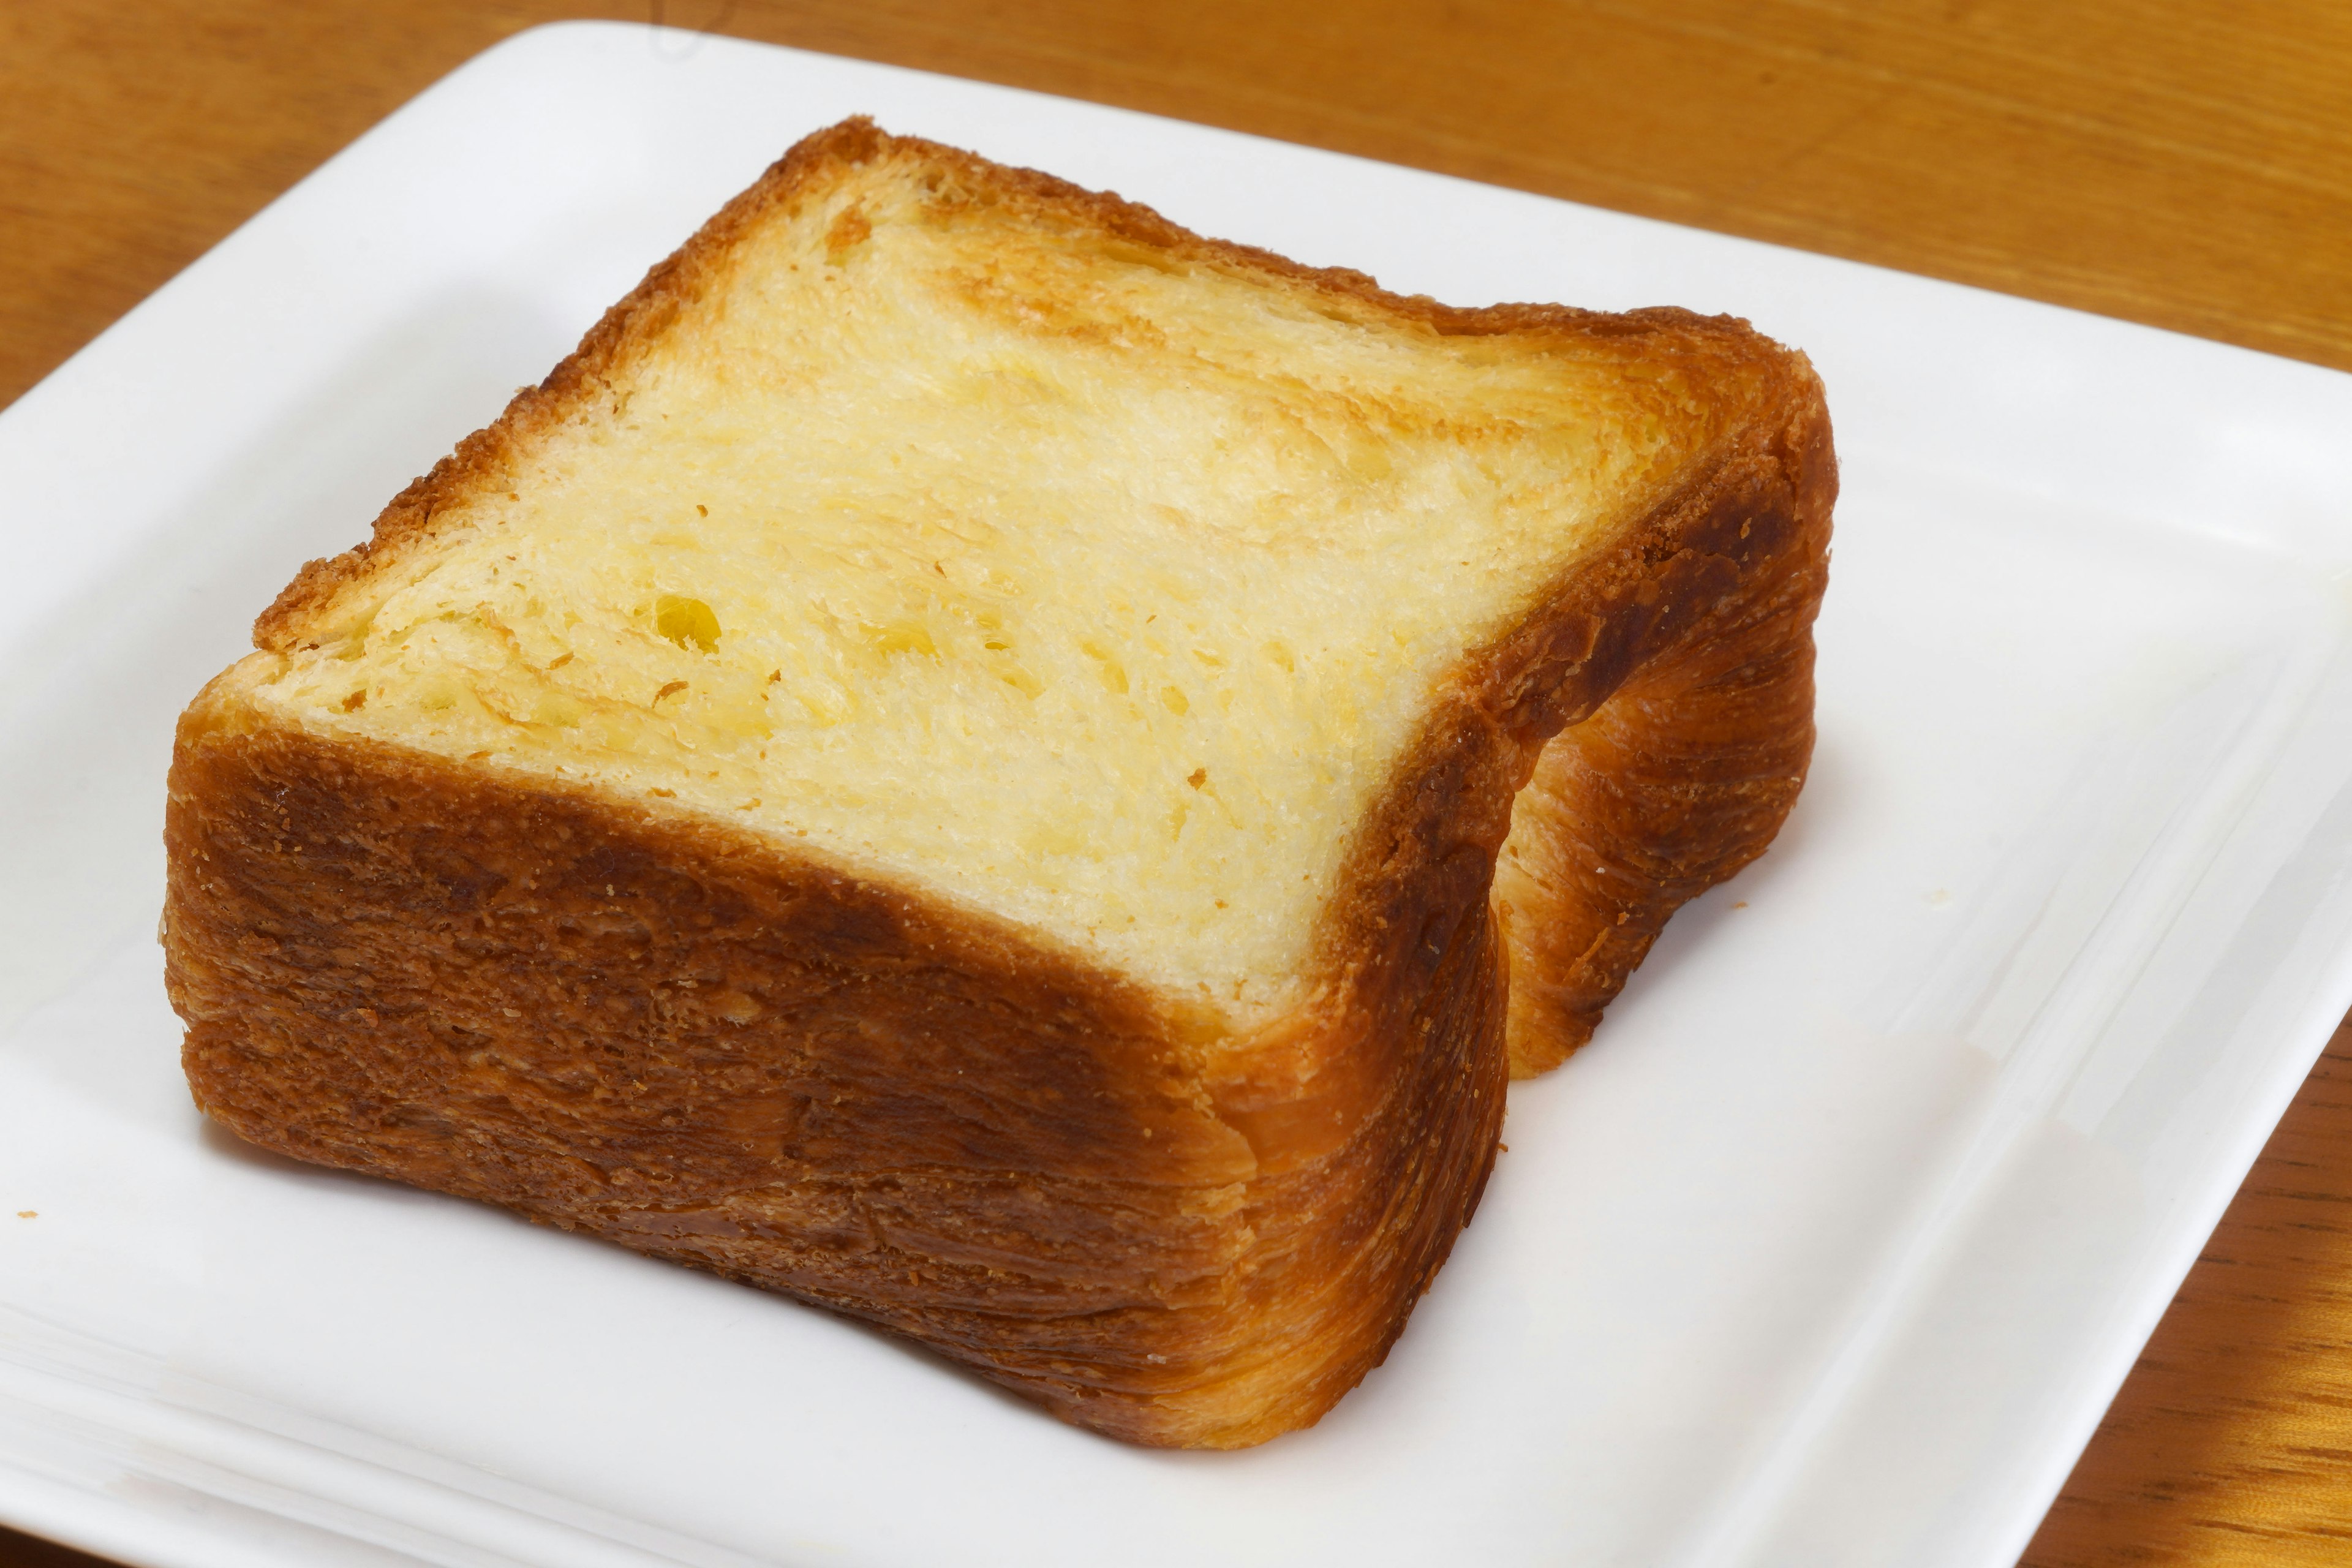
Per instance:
(1685,775)
(675,1033)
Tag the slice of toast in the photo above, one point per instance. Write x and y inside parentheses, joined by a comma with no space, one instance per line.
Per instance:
(950,762)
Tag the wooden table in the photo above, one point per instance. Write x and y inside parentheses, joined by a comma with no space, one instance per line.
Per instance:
(2184,162)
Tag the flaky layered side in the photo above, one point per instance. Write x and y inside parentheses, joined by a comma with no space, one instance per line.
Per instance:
(1685,773)
(664,1032)
(1173,1223)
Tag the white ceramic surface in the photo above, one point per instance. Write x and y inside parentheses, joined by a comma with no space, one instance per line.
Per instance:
(1828,1252)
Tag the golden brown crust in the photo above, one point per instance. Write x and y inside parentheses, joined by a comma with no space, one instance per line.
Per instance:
(1686,772)
(680,1036)
(674,1035)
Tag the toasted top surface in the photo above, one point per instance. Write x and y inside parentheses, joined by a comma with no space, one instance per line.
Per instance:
(1005,540)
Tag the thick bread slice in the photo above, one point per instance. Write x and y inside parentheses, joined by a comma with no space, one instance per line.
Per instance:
(950,762)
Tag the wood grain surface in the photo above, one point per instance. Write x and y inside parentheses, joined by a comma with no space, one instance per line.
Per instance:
(2182,162)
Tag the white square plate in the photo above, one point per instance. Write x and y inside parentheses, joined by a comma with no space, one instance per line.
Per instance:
(1830,1248)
